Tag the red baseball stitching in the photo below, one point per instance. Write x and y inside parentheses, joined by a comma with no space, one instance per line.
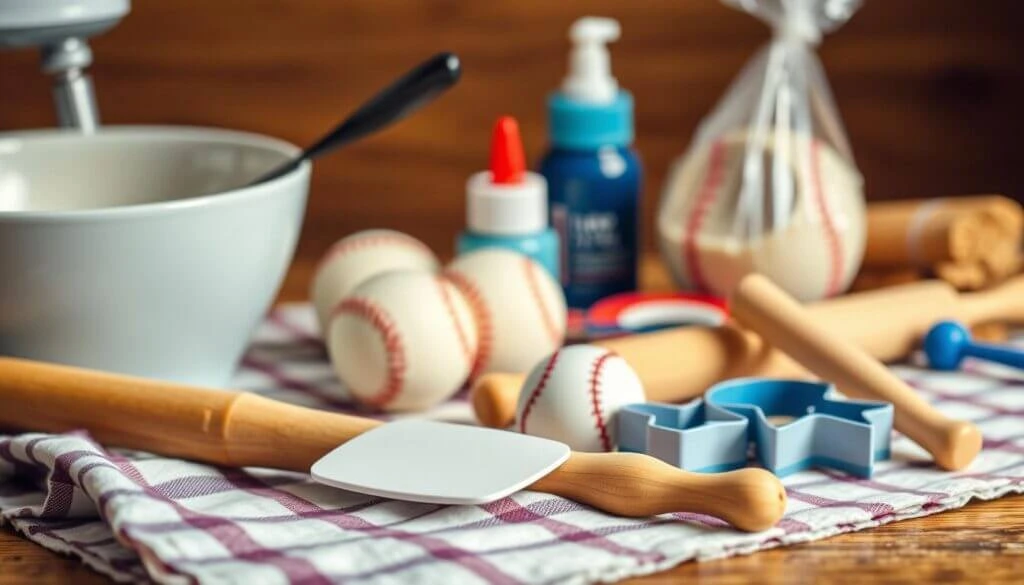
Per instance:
(538,390)
(481,314)
(345,246)
(378,318)
(835,247)
(595,400)
(549,322)
(707,196)
(449,306)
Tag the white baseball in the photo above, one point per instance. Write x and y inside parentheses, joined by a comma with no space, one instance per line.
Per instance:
(403,341)
(811,245)
(359,257)
(573,396)
(519,308)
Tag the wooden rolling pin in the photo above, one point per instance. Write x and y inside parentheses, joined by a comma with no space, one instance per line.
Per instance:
(237,429)
(676,365)
(926,232)
(970,242)
(763,307)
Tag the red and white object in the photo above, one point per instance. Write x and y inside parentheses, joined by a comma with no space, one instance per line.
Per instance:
(359,257)
(520,310)
(507,199)
(769,183)
(403,341)
(573,396)
(630,313)
(714,229)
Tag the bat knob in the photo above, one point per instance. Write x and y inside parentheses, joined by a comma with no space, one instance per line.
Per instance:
(758,499)
(958,444)
(494,397)
(945,345)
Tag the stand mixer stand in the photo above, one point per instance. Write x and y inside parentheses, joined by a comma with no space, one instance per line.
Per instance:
(60,29)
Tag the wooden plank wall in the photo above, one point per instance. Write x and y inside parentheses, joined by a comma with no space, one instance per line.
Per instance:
(931,90)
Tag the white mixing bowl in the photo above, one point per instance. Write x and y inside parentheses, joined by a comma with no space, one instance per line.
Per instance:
(134,250)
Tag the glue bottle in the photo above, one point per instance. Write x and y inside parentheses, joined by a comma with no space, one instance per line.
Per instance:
(507,206)
(593,174)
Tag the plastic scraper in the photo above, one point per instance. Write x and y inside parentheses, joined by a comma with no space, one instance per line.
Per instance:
(439,463)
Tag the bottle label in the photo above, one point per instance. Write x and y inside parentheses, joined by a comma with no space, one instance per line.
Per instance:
(599,254)
(560,223)
(594,208)
(598,251)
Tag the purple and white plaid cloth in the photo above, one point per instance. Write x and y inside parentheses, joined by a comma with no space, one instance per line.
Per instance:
(138,517)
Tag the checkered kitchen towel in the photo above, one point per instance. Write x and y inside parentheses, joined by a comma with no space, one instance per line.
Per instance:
(139,517)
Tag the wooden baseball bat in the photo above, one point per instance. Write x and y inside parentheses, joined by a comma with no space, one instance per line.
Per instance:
(238,429)
(679,364)
(763,307)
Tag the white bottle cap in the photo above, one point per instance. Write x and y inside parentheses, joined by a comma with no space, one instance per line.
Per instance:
(590,71)
(510,209)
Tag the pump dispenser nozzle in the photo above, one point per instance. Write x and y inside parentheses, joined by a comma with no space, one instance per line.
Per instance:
(590,72)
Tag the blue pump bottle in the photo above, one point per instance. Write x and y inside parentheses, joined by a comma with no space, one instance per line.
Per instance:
(594,176)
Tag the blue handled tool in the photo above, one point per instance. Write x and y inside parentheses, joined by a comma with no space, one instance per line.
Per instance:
(949,342)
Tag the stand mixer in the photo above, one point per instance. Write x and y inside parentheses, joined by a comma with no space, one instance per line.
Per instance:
(60,28)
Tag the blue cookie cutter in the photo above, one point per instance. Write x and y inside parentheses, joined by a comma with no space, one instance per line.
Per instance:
(694,436)
(847,435)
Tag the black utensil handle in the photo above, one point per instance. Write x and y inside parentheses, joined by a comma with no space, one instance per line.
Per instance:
(412,91)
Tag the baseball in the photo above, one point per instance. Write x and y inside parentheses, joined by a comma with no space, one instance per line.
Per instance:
(573,396)
(359,257)
(519,308)
(808,237)
(403,341)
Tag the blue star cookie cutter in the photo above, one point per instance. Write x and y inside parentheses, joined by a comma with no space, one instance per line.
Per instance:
(847,435)
(692,436)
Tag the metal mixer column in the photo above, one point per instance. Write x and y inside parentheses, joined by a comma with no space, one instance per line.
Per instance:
(73,94)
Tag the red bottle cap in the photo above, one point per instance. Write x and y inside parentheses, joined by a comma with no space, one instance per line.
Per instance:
(507,199)
(508,162)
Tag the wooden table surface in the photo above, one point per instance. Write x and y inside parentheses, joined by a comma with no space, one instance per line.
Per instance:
(982,543)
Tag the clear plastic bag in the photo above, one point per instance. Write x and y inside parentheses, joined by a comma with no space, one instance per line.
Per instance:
(769,183)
